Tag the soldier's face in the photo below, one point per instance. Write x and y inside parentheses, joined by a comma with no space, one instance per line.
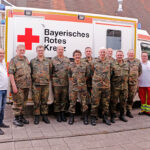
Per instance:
(40,52)
(60,51)
(109,52)
(102,53)
(144,57)
(77,56)
(2,54)
(119,56)
(21,51)
(88,52)
(131,54)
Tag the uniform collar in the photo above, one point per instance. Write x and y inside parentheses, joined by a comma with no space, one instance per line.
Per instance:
(38,58)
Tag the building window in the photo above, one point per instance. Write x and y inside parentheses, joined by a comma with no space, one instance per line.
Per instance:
(146,48)
(113,39)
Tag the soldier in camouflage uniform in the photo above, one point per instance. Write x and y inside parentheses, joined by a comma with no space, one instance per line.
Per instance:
(135,70)
(101,87)
(119,86)
(20,79)
(60,83)
(40,73)
(78,74)
(88,59)
(109,55)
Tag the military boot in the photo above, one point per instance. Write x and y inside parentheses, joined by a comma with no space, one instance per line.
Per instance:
(23,120)
(58,116)
(71,119)
(122,117)
(63,117)
(93,120)
(45,119)
(105,120)
(129,114)
(17,121)
(112,119)
(85,118)
(36,119)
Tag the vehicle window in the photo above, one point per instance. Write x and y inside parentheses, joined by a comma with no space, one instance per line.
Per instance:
(113,39)
(146,47)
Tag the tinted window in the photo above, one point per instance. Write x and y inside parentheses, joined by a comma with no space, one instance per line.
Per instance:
(113,39)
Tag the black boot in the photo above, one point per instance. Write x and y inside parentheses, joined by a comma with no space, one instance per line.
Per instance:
(129,114)
(58,115)
(63,117)
(85,118)
(23,120)
(71,119)
(45,119)
(105,120)
(36,119)
(93,120)
(17,121)
(112,119)
(122,117)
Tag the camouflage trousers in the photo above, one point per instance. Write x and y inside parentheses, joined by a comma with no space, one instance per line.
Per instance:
(40,95)
(19,101)
(73,96)
(89,95)
(132,92)
(100,96)
(122,95)
(60,98)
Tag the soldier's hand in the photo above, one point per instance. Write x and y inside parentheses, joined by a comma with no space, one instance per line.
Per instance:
(15,90)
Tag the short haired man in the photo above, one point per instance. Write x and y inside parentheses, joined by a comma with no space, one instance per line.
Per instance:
(40,73)
(78,74)
(88,59)
(101,68)
(135,70)
(3,89)
(20,79)
(60,83)
(119,86)
(109,55)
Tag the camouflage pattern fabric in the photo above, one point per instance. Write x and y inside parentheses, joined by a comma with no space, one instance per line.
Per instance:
(60,82)
(89,80)
(41,71)
(78,74)
(135,70)
(60,71)
(119,85)
(19,101)
(40,95)
(60,98)
(100,86)
(20,68)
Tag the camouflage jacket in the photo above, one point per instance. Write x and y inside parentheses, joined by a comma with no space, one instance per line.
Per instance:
(119,75)
(40,71)
(135,70)
(60,71)
(112,60)
(20,68)
(89,63)
(101,73)
(78,75)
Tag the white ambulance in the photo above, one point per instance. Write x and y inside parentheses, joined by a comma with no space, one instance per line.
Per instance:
(73,30)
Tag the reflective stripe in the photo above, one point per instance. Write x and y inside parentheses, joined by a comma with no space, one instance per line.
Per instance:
(145,107)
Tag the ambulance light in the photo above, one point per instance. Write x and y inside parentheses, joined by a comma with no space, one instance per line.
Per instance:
(28,12)
(81,17)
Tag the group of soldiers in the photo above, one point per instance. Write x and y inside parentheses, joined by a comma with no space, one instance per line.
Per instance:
(92,81)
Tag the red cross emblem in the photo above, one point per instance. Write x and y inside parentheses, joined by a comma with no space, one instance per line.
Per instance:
(28,38)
